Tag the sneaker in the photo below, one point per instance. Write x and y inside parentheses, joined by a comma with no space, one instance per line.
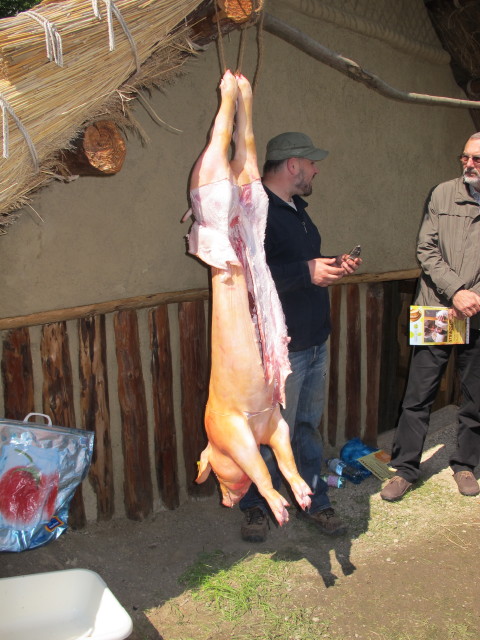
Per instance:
(255,525)
(395,489)
(326,521)
(467,484)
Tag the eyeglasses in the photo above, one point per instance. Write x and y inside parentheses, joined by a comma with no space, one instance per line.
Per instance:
(464,158)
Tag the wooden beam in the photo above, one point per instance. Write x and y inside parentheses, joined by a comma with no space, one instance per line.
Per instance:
(72,313)
(138,490)
(374,322)
(387,276)
(354,71)
(17,374)
(154,299)
(95,410)
(162,390)
(333,375)
(194,385)
(99,151)
(58,397)
(353,374)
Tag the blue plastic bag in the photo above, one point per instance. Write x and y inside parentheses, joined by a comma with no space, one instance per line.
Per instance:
(354,449)
(40,468)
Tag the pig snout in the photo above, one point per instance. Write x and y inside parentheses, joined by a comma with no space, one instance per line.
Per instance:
(233,493)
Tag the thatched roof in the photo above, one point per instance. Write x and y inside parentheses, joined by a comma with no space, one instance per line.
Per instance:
(457,23)
(66,63)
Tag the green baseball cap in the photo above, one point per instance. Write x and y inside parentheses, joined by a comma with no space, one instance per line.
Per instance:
(293,145)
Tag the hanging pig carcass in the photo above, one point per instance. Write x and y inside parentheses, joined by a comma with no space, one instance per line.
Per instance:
(249,360)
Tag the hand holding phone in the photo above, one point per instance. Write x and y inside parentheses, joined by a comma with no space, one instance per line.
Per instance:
(355,252)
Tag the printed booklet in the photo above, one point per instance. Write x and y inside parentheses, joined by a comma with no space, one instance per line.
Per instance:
(377,463)
(436,325)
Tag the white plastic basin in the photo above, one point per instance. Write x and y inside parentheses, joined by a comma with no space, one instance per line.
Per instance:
(73,604)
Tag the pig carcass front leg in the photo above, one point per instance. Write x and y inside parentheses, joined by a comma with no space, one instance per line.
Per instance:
(277,436)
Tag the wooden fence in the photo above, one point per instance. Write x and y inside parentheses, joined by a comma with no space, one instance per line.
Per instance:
(136,373)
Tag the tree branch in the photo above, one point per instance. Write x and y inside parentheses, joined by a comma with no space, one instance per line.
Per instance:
(351,69)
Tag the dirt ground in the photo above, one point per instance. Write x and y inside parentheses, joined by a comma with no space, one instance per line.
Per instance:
(402,566)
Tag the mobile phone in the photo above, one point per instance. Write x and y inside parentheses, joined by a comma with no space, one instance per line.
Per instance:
(355,252)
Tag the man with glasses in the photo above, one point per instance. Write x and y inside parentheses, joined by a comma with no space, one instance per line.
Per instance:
(449,254)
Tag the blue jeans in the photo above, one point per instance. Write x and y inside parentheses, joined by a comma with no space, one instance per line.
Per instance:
(304,400)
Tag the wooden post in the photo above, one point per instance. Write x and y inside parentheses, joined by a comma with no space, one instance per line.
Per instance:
(58,397)
(353,364)
(335,308)
(94,407)
(162,385)
(138,488)
(17,374)
(194,384)
(374,322)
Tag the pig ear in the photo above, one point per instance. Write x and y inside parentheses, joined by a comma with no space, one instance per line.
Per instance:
(204,466)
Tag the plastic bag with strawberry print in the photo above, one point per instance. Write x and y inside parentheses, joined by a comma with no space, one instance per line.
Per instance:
(40,469)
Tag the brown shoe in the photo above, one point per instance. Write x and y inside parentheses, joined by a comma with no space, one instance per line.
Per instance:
(326,521)
(467,484)
(395,489)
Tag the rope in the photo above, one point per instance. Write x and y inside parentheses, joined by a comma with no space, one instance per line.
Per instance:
(260,44)
(112,9)
(53,39)
(241,49)
(5,131)
(6,110)
(220,48)
(241,46)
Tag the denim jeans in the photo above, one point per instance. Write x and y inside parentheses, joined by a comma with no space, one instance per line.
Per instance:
(304,400)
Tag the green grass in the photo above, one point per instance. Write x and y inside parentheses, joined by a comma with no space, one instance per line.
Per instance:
(253,595)
(267,596)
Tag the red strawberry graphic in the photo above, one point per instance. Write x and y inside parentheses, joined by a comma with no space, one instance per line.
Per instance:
(20,494)
(26,495)
(50,486)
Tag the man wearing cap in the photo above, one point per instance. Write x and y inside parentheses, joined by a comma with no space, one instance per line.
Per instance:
(301,275)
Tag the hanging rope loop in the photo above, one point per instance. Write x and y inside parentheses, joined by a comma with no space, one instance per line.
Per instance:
(241,12)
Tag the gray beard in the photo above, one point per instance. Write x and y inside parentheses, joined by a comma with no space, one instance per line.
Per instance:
(474,180)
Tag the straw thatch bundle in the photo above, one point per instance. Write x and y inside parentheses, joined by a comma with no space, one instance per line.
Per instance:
(66,63)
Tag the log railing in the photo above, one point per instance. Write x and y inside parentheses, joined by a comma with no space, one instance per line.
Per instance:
(138,368)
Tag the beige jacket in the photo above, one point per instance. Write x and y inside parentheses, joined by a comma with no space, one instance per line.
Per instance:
(449,246)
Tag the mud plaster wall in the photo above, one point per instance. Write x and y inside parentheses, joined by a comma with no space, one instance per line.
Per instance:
(108,238)
(119,236)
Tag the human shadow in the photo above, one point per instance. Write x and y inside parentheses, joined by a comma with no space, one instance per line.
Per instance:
(332,555)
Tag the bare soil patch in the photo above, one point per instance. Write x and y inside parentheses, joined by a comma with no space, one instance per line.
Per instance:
(405,571)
